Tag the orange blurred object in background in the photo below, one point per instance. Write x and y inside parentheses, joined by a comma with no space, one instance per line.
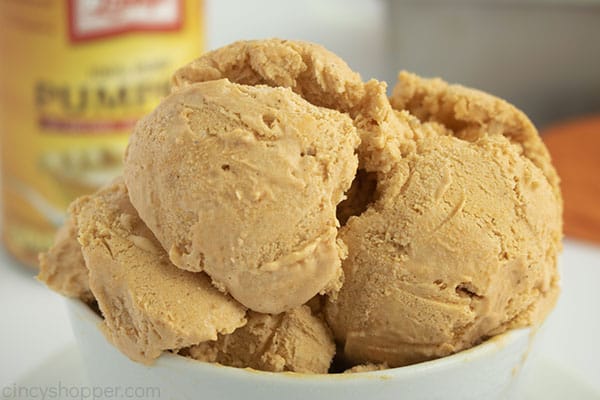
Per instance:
(575,150)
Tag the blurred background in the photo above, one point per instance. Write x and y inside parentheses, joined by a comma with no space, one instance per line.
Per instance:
(541,55)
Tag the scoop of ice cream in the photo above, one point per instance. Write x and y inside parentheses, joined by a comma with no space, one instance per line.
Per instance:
(148,304)
(242,182)
(459,243)
(63,268)
(472,114)
(316,74)
(293,341)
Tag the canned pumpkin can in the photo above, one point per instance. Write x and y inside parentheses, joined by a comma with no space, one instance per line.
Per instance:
(75,76)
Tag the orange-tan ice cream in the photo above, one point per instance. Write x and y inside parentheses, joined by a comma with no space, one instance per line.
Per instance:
(294,341)
(274,179)
(461,238)
(254,175)
(147,303)
(63,268)
(316,74)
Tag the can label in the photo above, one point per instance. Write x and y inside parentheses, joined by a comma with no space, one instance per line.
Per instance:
(91,19)
(75,76)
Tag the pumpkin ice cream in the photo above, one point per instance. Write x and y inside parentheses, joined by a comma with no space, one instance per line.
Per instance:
(316,74)
(63,268)
(242,182)
(274,206)
(147,303)
(294,341)
(461,239)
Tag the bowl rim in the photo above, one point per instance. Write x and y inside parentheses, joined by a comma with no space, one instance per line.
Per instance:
(77,309)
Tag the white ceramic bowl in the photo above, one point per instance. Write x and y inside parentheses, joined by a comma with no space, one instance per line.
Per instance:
(488,371)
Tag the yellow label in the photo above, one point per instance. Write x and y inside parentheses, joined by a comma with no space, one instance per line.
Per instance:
(74,77)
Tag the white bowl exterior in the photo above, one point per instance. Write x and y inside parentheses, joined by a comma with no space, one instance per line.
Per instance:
(488,371)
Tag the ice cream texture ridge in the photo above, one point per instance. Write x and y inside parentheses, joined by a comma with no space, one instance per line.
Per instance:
(276,211)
